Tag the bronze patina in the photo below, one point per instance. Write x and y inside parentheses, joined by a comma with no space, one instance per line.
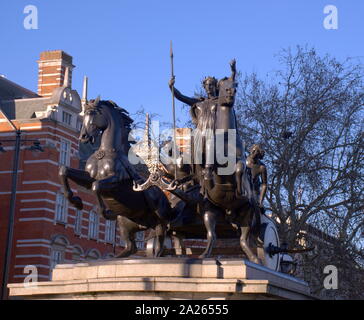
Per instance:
(110,176)
(203,202)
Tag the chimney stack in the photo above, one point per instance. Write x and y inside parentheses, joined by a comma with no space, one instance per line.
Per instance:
(52,71)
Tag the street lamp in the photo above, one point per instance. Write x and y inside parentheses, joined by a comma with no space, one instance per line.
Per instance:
(9,239)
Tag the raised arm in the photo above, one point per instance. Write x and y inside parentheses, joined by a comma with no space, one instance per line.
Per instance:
(233,69)
(180,96)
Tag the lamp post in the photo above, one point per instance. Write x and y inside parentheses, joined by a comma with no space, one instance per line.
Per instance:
(14,180)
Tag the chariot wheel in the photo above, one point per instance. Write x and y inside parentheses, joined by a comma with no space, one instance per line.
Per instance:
(149,247)
(269,237)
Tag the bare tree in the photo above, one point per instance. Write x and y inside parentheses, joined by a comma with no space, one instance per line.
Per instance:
(309,119)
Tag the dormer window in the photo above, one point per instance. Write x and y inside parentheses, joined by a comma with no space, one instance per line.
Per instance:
(66,118)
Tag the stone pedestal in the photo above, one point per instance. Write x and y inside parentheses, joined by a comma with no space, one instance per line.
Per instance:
(164,278)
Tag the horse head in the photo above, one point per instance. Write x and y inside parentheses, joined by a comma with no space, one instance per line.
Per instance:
(94,122)
(106,118)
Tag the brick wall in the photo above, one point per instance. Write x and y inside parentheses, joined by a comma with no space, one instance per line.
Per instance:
(52,66)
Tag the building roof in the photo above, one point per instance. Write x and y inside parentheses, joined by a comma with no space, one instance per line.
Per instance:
(20,103)
(10,90)
(24,108)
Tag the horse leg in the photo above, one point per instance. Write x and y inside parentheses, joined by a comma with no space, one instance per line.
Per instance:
(160,233)
(245,231)
(158,202)
(239,177)
(127,230)
(100,186)
(80,177)
(178,244)
(209,220)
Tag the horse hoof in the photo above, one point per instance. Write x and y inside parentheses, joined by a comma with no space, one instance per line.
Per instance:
(256,260)
(128,250)
(124,254)
(158,254)
(77,202)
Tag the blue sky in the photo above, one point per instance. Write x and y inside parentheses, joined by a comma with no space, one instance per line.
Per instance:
(123,45)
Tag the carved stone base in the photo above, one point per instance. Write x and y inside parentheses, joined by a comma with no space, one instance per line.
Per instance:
(164,278)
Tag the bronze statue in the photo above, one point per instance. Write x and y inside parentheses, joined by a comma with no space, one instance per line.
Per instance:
(202,195)
(111,177)
(227,195)
(215,111)
(258,172)
(203,116)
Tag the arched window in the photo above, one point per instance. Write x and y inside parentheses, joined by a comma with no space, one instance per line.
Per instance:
(93,254)
(77,254)
(59,244)
(109,255)
(93,230)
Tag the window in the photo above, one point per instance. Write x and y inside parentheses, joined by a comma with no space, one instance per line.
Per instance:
(79,125)
(77,254)
(110,231)
(139,239)
(61,208)
(93,230)
(93,254)
(64,156)
(78,222)
(56,258)
(66,118)
(59,244)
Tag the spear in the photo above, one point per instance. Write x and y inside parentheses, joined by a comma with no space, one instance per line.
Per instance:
(174,116)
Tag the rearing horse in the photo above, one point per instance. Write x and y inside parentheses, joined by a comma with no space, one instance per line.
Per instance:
(110,176)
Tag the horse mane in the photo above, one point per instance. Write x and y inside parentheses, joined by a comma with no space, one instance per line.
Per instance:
(126,121)
(123,113)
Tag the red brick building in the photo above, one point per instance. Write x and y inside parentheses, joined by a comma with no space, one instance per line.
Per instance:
(47,229)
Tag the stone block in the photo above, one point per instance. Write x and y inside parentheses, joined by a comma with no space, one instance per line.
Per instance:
(165,278)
